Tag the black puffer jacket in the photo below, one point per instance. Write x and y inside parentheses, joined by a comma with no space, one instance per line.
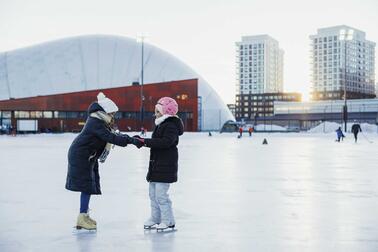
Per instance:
(83,175)
(164,154)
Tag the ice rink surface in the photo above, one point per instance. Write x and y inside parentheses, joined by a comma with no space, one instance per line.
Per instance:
(301,192)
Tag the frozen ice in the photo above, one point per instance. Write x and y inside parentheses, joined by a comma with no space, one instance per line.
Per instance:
(301,192)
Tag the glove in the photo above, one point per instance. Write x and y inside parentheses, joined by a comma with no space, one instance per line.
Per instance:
(138,137)
(137,141)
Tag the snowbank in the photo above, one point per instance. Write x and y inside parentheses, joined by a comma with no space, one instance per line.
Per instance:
(330,127)
(325,127)
(366,127)
(269,127)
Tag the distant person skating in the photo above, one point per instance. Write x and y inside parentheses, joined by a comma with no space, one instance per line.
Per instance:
(143,132)
(250,130)
(356,128)
(92,144)
(340,134)
(240,132)
(163,165)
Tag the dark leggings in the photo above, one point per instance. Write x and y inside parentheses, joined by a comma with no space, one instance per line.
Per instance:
(355,135)
(84,202)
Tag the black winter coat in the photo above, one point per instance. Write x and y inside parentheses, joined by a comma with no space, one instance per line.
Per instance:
(356,128)
(83,175)
(164,154)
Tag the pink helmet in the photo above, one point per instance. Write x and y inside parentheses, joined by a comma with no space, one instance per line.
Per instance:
(167,106)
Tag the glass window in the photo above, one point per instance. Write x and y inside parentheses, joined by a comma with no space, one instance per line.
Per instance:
(6,114)
(82,114)
(189,115)
(35,114)
(129,114)
(47,114)
(60,114)
(72,114)
(21,114)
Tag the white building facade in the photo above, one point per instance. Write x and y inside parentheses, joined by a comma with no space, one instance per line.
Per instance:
(259,65)
(342,57)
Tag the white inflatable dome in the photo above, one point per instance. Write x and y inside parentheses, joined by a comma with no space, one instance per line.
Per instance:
(100,61)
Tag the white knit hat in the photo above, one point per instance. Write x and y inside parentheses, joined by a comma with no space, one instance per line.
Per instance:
(108,105)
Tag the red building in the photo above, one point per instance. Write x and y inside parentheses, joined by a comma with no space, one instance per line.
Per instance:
(67,112)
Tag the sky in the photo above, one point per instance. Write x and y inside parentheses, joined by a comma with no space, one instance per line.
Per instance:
(202,33)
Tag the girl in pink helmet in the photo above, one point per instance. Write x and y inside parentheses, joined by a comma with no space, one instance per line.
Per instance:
(162,169)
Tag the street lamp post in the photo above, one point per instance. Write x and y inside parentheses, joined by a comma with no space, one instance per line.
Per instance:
(324,118)
(141,83)
(345,35)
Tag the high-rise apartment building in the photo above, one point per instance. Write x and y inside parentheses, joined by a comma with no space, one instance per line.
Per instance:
(341,58)
(259,65)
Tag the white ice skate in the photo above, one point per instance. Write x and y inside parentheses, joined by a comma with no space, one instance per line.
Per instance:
(163,227)
(150,224)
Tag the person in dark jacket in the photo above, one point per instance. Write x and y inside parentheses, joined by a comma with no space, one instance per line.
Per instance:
(163,165)
(339,134)
(92,144)
(356,128)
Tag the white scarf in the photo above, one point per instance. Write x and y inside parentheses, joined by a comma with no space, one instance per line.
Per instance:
(107,119)
(162,118)
(102,116)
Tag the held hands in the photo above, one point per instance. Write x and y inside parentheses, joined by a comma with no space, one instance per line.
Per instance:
(137,141)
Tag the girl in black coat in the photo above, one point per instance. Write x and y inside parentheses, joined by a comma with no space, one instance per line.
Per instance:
(92,144)
(162,169)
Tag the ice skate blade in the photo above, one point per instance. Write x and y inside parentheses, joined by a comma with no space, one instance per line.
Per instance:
(80,230)
(166,230)
(150,227)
